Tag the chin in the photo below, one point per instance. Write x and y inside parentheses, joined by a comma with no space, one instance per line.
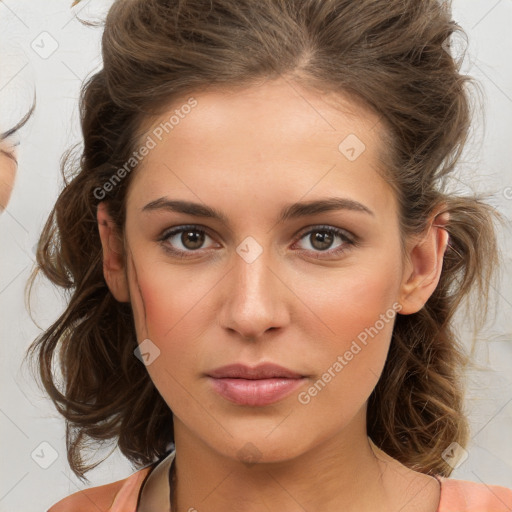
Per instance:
(262,447)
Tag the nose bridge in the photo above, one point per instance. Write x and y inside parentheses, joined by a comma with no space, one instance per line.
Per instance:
(254,304)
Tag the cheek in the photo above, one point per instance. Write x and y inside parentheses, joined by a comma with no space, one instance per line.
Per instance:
(170,307)
(351,300)
(359,308)
(173,303)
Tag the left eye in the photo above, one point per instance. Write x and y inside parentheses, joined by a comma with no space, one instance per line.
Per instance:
(192,238)
(321,239)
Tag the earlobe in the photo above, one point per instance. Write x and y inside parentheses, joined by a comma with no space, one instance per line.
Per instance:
(424,267)
(113,257)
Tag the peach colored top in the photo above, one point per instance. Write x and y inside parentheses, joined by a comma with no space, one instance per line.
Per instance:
(124,495)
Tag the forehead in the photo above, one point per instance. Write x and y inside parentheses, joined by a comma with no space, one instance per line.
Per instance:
(275,138)
(278,108)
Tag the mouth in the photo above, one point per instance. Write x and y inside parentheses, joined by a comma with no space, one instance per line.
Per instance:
(255,386)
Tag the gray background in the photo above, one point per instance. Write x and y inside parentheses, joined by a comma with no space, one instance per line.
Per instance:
(29,32)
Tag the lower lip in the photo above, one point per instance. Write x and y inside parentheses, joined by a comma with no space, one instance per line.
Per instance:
(255,391)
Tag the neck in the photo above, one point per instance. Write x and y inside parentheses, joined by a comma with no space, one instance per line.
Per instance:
(346,472)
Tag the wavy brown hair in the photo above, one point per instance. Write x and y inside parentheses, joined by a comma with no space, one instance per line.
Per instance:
(391,55)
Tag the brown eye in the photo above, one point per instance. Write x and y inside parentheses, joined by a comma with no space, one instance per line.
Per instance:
(321,240)
(184,241)
(192,239)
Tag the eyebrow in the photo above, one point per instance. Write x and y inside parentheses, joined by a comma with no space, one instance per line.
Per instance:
(290,211)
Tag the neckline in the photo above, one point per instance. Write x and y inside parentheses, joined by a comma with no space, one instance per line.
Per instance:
(156,485)
(154,493)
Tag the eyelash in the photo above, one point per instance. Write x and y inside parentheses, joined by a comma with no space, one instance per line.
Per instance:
(350,242)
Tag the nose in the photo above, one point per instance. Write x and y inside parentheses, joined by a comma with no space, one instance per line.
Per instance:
(255,301)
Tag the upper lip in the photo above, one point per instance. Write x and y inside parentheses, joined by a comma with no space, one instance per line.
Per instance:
(261,371)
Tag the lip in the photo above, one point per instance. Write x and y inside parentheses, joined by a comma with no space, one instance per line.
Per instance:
(261,371)
(255,386)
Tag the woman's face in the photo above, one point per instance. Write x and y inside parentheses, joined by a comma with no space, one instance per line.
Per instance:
(7,173)
(299,267)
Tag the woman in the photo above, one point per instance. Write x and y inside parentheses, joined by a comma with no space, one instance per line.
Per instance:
(263,261)
(8,161)
(8,167)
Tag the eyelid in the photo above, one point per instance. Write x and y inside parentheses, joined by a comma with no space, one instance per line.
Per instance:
(350,240)
(327,227)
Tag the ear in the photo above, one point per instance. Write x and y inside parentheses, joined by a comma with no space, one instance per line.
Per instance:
(423,270)
(113,259)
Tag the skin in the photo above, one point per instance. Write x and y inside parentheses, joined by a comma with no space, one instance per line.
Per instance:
(8,168)
(248,153)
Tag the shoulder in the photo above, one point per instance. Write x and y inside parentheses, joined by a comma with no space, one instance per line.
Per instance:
(108,498)
(464,496)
